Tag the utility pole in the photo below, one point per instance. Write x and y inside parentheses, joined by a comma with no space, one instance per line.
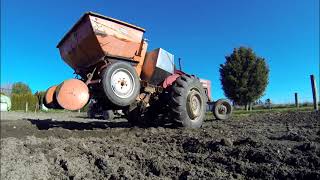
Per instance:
(180,68)
(314,92)
(296,100)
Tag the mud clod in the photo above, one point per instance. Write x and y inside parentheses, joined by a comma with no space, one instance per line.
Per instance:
(193,145)
(247,141)
(64,165)
(291,136)
(309,146)
(226,142)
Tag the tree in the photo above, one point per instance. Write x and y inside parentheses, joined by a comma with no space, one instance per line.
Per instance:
(40,95)
(244,76)
(20,88)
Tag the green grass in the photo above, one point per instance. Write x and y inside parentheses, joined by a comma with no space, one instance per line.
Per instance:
(275,109)
(48,111)
(243,113)
(209,115)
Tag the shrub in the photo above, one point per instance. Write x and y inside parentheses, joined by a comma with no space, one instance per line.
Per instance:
(19,101)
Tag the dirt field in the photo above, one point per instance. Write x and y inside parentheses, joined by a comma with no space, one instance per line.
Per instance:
(68,146)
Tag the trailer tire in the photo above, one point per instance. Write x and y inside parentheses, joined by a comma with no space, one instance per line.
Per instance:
(91,112)
(120,83)
(142,119)
(108,115)
(134,117)
(188,101)
(222,109)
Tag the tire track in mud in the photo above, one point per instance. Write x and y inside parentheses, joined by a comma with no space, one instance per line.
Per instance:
(275,146)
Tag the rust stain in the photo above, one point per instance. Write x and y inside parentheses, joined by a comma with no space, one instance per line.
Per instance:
(141,58)
(149,65)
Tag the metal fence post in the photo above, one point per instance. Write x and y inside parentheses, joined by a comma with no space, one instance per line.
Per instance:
(296,100)
(314,92)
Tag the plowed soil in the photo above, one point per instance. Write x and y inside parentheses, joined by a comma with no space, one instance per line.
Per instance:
(68,146)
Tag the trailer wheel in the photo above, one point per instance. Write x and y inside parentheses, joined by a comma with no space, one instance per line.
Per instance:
(222,109)
(108,115)
(134,117)
(91,112)
(188,101)
(120,83)
(142,119)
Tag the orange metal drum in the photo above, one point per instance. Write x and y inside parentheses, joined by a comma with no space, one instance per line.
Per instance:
(49,97)
(72,94)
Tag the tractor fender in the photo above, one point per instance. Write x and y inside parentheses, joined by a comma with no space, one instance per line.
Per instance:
(172,78)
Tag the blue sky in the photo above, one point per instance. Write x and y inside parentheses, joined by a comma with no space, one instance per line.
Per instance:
(202,33)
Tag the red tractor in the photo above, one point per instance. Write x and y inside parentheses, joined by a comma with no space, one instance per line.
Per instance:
(116,74)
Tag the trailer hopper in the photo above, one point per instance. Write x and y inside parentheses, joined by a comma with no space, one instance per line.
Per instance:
(95,37)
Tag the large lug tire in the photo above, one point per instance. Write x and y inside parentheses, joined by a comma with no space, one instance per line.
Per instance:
(222,109)
(120,83)
(188,101)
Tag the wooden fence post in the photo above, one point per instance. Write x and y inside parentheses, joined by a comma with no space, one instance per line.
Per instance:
(26,106)
(36,108)
(296,100)
(314,92)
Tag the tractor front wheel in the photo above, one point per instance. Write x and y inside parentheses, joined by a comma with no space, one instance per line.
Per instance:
(188,101)
(222,109)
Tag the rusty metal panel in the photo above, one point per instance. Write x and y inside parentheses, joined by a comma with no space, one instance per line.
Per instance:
(81,49)
(140,58)
(158,65)
(95,36)
(116,39)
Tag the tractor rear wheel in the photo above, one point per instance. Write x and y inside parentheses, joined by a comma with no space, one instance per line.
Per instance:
(188,101)
(120,83)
